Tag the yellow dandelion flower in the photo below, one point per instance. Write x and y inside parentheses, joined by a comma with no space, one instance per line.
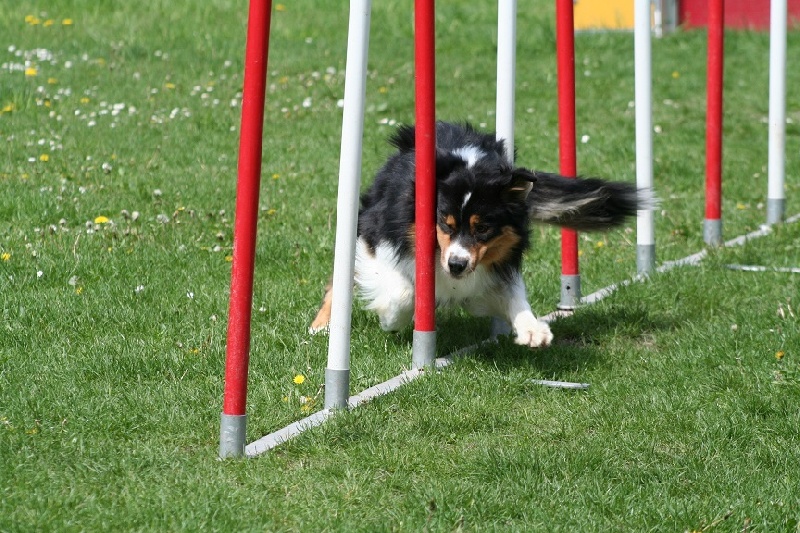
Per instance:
(779,355)
(599,244)
(276,176)
(85,100)
(8,108)
(676,75)
(48,23)
(31,72)
(383,90)
(228,258)
(44,158)
(169,85)
(101,220)
(33,20)
(271,212)
(299,379)
(5,256)
(280,7)
(67,22)
(52,81)
(78,290)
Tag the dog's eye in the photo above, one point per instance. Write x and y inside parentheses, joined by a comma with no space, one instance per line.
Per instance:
(482,229)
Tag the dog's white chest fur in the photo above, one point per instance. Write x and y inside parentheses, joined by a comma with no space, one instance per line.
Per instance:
(385,282)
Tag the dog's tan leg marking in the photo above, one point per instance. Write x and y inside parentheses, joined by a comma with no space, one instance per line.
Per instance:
(323,318)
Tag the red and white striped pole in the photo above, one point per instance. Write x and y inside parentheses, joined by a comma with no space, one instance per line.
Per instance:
(234,420)
(712,226)
(565,51)
(424,347)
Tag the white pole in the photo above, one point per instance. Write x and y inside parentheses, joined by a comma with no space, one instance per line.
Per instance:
(337,373)
(506,72)
(645,233)
(505,102)
(777,111)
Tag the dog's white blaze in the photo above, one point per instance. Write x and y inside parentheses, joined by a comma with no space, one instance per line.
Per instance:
(470,154)
(466,199)
(457,251)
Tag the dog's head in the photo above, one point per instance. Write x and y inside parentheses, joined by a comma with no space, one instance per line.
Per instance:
(481,212)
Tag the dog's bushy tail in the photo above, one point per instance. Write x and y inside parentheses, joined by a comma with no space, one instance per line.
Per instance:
(584,204)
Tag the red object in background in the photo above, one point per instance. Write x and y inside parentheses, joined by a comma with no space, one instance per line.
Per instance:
(742,14)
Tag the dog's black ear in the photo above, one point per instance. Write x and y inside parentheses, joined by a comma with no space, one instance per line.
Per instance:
(522,181)
(446,163)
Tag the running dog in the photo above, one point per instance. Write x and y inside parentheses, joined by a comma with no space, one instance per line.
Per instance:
(484,208)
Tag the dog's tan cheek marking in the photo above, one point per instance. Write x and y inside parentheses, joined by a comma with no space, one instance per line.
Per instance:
(444,243)
(499,249)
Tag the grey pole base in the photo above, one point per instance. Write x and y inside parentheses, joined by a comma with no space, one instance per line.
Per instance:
(337,388)
(570,292)
(424,349)
(775,210)
(645,258)
(712,232)
(232,435)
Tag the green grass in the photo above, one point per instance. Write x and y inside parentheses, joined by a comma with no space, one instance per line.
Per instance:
(112,335)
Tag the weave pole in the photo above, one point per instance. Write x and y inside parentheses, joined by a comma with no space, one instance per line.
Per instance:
(233,424)
(505,97)
(506,73)
(712,226)
(565,51)
(777,112)
(645,224)
(337,372)
(424,343)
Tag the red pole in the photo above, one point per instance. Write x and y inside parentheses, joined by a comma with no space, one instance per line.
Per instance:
(425,199)
(565,51)
(713,232)
(249,179)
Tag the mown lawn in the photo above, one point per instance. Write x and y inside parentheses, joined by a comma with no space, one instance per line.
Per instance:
(118,138)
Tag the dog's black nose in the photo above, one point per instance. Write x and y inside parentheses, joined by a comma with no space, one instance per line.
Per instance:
(457,265)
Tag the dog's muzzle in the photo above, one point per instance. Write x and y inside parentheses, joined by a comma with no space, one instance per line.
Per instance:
(457,265)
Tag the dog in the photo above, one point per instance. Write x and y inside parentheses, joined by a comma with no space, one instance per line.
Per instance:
(483,211)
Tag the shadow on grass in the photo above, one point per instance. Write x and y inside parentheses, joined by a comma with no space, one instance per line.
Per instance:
(581,342)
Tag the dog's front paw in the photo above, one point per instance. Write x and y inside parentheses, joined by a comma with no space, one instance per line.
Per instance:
(532,333)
